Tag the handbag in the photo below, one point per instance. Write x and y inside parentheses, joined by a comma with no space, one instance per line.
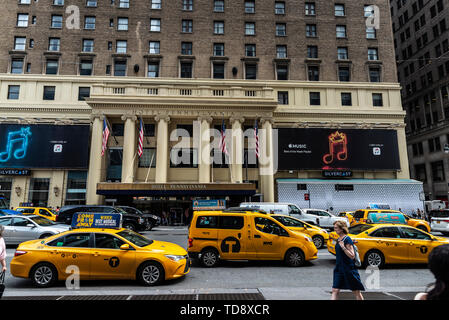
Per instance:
(357,261)
(2,283)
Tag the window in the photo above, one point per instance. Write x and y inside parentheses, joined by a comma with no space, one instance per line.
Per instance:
(219,49)
(89,23)
(368,11)
(155,47)
(250,6)
(371,33)
(373,54)
(218,71)
(437,171)
(218,6)
(409,233)
(86,67)
(313,73)
(250,71)
(389,232)
(109,45)
(88,45)
(58,2)
(344,74)
(24,1)
(342,53)
(231,222)
(282,72)
(17,66)
(20,43)
(312,52)
(268,226)
(107,241)
(218,27)
(346,99)
(339,10)
(282,97)
(186,48)
(250,28)
(156,4)
(39,188)
(56,21)
(91,3)
(22,20)
(279,7)
(311,30)
(74,240)
(153,69)
(250,50)
(83,93)
(120,68)
(187,26)
(123,4)
(49,92)
(155,25)
(51,66)
(341,31)
(281,52)
(186,69)
(54,44)
(374,74)
(13,92)
(187,5)
(6,221)
(207,222)
(310,8)
(377,100)
(122,24)
(281,29)
(314,98)
(121,46)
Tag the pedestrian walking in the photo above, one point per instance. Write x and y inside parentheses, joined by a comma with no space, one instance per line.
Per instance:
(439,266)
(2,261)
(346,275)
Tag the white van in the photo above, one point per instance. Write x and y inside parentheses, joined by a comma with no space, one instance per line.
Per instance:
(317,217)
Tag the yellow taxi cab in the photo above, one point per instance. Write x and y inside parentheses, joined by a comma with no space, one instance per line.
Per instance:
(246,235)
(348,214)
(380,244)
(99,254)
(362,216)
(319,236)
(39,211)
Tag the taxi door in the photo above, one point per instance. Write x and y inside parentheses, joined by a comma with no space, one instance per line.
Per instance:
(111,262)
(232,233)
(268,245)
(390,242)
(419,244)
(71,250)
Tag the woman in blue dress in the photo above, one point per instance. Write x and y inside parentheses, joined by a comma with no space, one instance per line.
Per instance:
(346,275)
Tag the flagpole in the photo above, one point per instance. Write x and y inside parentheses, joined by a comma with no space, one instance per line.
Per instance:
(149,168)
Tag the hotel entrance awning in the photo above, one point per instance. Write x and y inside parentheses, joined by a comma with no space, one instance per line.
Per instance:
(140,189)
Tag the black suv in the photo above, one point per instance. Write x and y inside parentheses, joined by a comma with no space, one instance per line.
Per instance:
(130,221)
(151,220)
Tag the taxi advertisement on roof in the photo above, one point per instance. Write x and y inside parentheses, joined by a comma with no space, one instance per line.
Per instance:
(96,220)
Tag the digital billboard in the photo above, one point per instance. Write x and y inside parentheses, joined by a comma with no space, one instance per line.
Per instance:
(44,146)
(337,149)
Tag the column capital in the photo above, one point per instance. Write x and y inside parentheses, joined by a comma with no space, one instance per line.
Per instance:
(129,116)
(269,120)
(208,119)
(161,117)
(97,116)
(237,119)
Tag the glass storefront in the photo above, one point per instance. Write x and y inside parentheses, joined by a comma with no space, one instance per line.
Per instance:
(39,190)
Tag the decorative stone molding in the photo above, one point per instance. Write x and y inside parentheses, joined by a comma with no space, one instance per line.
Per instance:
(270,120)
(160,117)
(129,116)
(94,116)
(236,119)
(208,119)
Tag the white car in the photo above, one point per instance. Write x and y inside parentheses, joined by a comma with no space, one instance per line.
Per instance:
(321,218)
(23,228)
(440,221)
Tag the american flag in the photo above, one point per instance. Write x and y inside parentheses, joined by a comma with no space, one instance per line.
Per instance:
(256,136)
(223,138)
(106,132)
(140,142)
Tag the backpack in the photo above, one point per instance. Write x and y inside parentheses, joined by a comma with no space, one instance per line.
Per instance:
(356,259)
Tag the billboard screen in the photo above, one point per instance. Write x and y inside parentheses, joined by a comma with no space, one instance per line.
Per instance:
(44,146)
(329,149)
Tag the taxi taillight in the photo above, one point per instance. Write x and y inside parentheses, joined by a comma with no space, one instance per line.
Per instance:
(190,242)
(19,253)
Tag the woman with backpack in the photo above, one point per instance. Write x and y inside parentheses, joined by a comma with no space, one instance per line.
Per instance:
(346,275)
(2,261)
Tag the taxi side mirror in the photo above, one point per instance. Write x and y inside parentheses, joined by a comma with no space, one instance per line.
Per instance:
(125,247)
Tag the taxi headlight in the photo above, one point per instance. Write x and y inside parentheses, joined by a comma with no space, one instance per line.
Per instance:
(174,257)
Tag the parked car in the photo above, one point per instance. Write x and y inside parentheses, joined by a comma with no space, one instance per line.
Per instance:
(151,220)
(23,228)
(130,221)
(440,221)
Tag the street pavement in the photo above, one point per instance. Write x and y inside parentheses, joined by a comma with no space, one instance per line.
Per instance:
(270,279)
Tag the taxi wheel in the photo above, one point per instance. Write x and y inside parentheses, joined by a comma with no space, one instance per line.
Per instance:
(43,275)
(209,258)
(294,258)
(151,273)
(318,241)
(374,258)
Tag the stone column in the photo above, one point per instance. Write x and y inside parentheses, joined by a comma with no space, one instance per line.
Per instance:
(266,169)
(204,161)
(129,148)
(237,149)
(162,148)
(96,162)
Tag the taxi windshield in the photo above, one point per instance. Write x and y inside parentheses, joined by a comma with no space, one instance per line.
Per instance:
(42,221)
(359,228)
(135,238)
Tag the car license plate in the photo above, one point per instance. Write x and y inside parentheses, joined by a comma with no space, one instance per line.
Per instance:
(438,221)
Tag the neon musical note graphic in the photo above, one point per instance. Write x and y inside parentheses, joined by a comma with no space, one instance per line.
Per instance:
(338,145)
(19,138)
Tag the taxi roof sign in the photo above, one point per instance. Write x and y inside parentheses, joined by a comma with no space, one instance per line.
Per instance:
(97,220)
(387,217)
